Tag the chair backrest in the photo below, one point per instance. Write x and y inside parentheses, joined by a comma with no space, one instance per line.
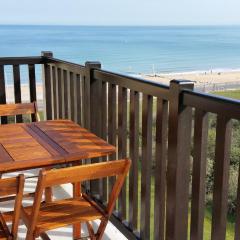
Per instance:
(20,109)
(12,186)
(54,177)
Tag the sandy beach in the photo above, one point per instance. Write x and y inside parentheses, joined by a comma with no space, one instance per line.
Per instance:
(204,81)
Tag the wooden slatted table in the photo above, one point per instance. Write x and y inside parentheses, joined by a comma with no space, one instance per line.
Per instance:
(47,143)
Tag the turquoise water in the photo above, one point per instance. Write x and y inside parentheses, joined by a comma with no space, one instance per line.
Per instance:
(130,49)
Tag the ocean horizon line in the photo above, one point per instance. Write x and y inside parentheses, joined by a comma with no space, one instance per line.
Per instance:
(120,25)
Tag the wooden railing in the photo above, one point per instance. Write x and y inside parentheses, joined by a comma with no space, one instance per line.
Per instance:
(159,127)
(15,63)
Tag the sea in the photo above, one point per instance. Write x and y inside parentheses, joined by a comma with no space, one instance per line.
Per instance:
(129,49)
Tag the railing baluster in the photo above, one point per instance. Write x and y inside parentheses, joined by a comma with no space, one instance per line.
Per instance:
(32,86)
(147,120)
(160,169)
(66,93)
(17,89)
(199,174)
(237,222)
(54,91)
(178,167)
(104,135)
(2,92)
(77,98)
(112,105)
(122,143)
(221,174)
(47,83)
(134,155)
(72,95)
(60,92)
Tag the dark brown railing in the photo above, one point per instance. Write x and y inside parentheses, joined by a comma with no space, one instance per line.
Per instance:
(152,124)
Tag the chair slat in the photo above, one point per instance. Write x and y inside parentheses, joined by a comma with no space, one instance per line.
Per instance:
(83,173)
(8,186)
(17,109)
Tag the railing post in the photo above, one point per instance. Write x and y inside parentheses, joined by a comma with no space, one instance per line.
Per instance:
(178,170)
(93,110)
(47,86)
(91,92)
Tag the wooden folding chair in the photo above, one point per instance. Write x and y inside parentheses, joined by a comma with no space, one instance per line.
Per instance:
(20,109)
(8,187)
(42,217)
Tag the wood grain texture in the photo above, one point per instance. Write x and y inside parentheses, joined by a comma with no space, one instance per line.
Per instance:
(147,121)
(2,92)
(160,169)
(46,216)
(221,177)
(134,154)
(32,86)
(10,186)
(17,88)
(49,142)
(17,109)
(199,174)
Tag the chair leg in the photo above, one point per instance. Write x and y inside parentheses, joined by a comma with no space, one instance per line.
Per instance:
(44,236)
(101,229)
(91,231)
(77,226)
(30,236)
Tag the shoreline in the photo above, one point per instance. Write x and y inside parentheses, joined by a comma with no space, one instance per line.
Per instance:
(206,81)
(208,71)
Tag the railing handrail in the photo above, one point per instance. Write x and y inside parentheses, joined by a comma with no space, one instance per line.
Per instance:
(71,66)
(22,60)
(134,83)
(212,103)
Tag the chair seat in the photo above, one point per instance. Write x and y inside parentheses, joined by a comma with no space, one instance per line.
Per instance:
(62,213)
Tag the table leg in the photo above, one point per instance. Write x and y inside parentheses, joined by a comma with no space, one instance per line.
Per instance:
(77,226)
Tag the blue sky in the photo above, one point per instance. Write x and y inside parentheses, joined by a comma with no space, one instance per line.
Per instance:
(121,12)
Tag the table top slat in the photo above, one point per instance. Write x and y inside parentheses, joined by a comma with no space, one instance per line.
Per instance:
(4,156)
(47,143)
